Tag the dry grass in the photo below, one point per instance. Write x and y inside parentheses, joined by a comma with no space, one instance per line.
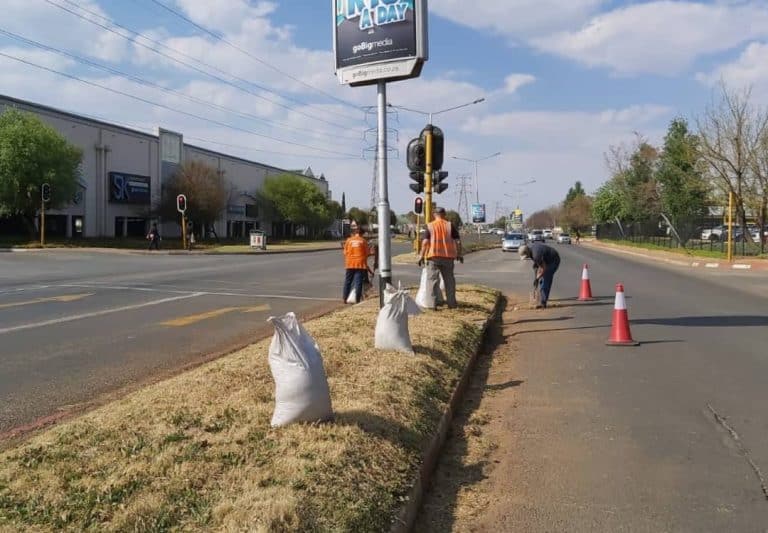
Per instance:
(196,452)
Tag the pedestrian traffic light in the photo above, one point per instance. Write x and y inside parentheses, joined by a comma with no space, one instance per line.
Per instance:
(437,182)
(418,177)
(438,146)
(45,192)
(418,205)
(181,203)
(417,156)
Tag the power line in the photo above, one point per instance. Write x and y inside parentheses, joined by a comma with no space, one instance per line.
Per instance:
(249,54)
(168,90)
(188,65)
(166,107)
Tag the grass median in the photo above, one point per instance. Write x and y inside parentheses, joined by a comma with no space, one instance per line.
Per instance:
(689,252)
(196,452)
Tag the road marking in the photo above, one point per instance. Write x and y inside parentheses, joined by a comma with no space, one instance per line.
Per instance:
(739,266)
(712,265)
(193,319)
(64,298)
(201,293)
(103,312)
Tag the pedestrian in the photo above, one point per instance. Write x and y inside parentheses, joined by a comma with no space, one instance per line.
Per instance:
(546,261)
(190,235)
(154,237)
(356,254)
(578,236)
(440,248)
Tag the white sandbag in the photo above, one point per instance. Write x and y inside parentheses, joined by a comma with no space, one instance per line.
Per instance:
(392,324)
(440,295)
(352,298)
(425,297)
(301,388)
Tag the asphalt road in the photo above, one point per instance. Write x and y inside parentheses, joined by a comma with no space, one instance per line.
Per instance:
(77,325)
(668,436)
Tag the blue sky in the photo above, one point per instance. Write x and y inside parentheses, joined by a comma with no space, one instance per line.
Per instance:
(562,81)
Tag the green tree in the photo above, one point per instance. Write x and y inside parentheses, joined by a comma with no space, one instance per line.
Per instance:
(299,202)
(610,202)
(454,218)
(205,189)
(577,214)
(33,153)
(336,210)
(574,192)
(358,215)
(683,189)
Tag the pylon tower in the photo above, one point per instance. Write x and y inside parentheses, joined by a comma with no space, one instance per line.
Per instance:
(463,189)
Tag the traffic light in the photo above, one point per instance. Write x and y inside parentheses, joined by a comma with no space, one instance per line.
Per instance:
(437,182)
(418,177)
(418,205)
(417,155)
(45,192)
(438,146)
(181,203)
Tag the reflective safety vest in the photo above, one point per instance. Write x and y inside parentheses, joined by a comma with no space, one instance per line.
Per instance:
(441,244)
(356,253)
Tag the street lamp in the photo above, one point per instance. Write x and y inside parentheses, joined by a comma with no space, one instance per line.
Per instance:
(431,114)
(476,161)
(518,189)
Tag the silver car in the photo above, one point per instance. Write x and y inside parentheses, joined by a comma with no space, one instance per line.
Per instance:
(511,242)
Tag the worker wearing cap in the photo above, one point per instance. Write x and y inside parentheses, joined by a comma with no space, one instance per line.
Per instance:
(356,254)
(440,248)
(546,261)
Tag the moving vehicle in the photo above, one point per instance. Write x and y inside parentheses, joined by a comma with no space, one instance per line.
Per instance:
(548,234)
(536,235)
(564,238)
(511,242)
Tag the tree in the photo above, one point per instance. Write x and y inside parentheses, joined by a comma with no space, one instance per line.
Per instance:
(501,222)
(610,202)
(343,203)
(299,202)
(392,218)
(682,187)
(206,191)
(577,214)
(730,133)
(545,218)
(32,153)
(454,218)
(760,171)
(358,215)
(336,210)
(634,182)
(574,192)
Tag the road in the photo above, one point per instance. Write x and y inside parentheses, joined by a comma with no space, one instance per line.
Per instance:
(669,436)
(75,326)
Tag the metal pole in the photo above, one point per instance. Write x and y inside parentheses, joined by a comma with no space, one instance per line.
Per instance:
(42,220)
(385,244)
(428,175)
(477,185)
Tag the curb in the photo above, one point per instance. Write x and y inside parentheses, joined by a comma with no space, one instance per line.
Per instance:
(162,252)
(405,519)
(744,266)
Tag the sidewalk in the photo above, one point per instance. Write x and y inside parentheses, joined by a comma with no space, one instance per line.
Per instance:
(223,250)
(684,260)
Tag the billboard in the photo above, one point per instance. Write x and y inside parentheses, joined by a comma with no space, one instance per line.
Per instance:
(129,189)
(379,39)
(478,213)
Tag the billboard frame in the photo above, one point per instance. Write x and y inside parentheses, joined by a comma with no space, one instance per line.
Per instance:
(389,70)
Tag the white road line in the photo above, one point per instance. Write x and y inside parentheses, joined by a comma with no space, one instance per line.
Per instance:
(201,293)
(740,266)
(103,312)
(712,265)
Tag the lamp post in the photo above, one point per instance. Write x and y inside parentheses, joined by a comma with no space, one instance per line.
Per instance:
(518,190)
(476,161)
(429,169)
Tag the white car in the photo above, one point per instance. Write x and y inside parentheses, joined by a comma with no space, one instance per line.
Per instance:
(548,234)
(564,238)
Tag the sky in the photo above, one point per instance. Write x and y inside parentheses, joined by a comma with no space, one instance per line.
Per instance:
(562,81)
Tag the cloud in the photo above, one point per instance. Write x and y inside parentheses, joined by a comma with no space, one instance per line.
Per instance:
(227,16)
(661,37)
(515,81)
(750,69)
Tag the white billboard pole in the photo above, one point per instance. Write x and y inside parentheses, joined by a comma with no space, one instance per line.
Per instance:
(385,242)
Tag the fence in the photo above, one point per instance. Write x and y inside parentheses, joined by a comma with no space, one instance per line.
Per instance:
(706,234)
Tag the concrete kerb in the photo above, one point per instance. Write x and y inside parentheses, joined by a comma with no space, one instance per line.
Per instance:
(165,252)
(406,518)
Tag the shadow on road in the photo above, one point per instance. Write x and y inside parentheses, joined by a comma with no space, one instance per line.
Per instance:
(726,321)
(504,386)
(557,305)
(530,320)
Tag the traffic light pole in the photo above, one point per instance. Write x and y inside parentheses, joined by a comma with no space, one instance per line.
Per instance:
(385,243)
(428,174)
(42,220)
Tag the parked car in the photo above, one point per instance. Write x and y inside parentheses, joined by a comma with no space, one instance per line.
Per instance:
(511,242)
(536,235)
(499,231)
(720,232)
(548,234)
(564,238)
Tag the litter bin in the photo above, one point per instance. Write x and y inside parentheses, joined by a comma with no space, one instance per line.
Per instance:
(258,239)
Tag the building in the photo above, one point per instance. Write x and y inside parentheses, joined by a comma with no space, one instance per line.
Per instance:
(122,175)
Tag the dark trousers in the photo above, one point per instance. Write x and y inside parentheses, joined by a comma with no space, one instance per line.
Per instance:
(154,243)
(546,281)
(354,276)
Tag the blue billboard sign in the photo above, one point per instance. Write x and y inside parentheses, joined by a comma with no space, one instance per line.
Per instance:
(129,189)
(478,213)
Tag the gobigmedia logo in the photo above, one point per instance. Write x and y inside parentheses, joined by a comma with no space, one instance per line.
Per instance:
(372,13)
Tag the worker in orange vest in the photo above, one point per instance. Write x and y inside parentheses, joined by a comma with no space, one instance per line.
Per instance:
(440,248)
(356,254)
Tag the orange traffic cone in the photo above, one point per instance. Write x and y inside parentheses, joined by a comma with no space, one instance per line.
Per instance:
(585,295)
(620,334)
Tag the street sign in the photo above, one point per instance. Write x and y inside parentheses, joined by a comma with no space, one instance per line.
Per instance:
(379,41)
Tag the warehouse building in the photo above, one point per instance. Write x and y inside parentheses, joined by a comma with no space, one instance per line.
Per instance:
(123,171)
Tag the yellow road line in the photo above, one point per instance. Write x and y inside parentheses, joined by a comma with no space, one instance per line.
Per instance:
(193,319)
(64,298)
